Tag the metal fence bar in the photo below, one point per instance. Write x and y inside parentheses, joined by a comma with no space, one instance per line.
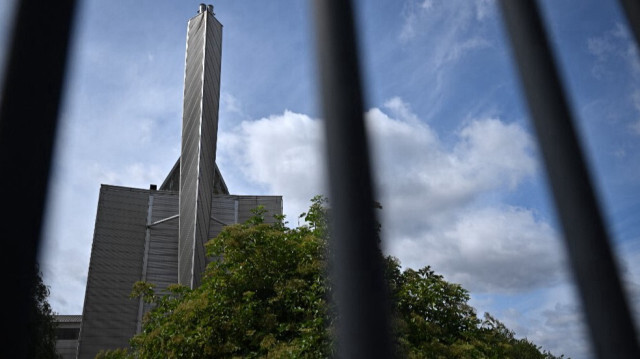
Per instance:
(632,11)
(363,329)
(31,94)
(607,312)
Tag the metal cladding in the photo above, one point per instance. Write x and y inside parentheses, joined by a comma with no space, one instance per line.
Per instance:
(67,332)
(162,255)
(230,209)
(109,316)
(199,138)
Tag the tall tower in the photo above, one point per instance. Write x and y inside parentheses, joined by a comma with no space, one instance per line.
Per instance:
(199,138)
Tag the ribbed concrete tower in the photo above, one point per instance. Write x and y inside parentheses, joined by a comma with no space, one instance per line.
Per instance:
(199,138)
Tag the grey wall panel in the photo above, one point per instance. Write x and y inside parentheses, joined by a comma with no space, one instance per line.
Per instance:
(67,347)
(230,209)
(223,209)
(273,205)
(223,213)
(162,257)
(109,316)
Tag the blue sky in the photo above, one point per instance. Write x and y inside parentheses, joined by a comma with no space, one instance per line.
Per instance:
(456,162)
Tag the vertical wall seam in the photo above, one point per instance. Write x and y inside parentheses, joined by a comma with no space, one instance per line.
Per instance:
(145,259)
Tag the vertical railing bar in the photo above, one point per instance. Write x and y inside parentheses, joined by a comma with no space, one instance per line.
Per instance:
(594,267)
(363,329)
(632,11)
(31,94)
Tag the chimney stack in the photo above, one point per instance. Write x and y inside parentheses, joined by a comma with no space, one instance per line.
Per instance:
(199,140)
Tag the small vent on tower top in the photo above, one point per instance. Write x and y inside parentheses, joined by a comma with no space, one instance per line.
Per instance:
(202,8)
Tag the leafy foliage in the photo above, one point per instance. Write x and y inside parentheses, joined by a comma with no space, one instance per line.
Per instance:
(267,297)
(42,335)
(432,319)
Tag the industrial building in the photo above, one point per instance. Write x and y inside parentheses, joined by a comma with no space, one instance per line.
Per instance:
(158,234)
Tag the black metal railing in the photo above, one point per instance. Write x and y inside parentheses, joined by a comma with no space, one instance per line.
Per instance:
(31,94)
(32,90)
(585,235)
(356,270)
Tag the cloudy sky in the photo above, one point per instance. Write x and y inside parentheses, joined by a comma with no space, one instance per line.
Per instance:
(456,163)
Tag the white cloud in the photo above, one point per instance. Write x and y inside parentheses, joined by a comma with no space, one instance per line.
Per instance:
(432,192)
(612,50)
(451,19)
(433,209)
(496,250)
(549,317)
(282,152)
(558,327)
(427,4)
(563,330)
(484,9)
(611,46)
(402,110)
(635,127)
(600,46)
(414,165)
(461,48)
(635,99)
(69,276)
(628,254)
(230,103)
(437,39)
(136,175)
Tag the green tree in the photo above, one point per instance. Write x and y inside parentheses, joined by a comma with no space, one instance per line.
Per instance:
(432,319)
(42,335)
(267,298)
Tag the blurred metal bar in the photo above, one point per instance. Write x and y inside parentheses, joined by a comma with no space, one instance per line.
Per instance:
(31,93)
(361,298)
(607,311)
(632,11)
